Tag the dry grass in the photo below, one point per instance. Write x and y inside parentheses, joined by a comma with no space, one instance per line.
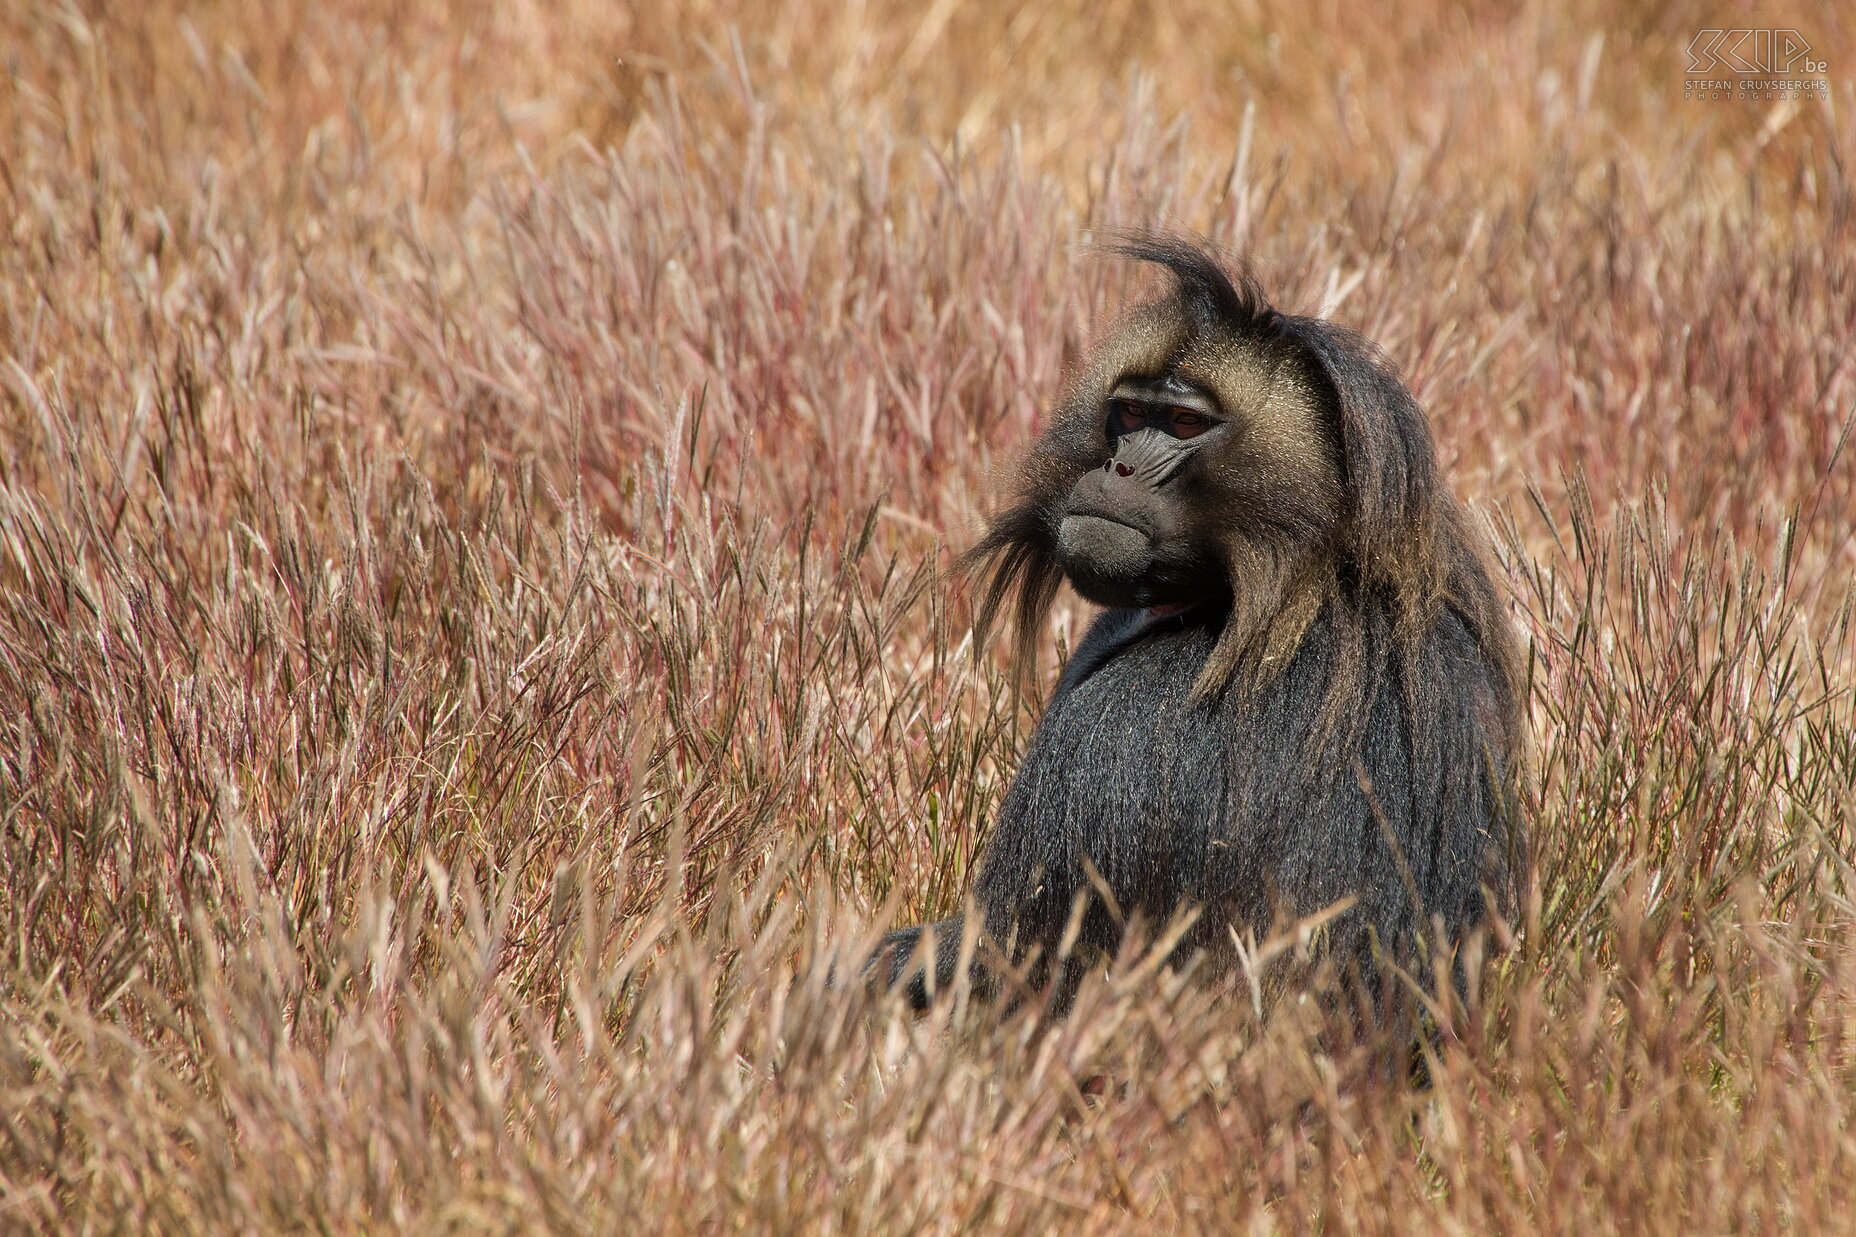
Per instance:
(475,485)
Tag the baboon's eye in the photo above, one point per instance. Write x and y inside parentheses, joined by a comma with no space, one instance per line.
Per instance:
(1127,416)
(1187,423)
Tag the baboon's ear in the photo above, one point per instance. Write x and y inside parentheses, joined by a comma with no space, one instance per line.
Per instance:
(1388,465)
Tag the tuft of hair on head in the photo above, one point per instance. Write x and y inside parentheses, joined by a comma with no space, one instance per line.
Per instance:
(1212,295)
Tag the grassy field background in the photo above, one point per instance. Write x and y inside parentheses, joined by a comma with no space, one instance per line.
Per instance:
(477,484)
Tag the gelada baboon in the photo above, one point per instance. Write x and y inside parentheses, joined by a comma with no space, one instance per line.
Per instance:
(1304,688)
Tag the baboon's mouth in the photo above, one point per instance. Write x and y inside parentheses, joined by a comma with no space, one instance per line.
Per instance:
(1108,545)
(1100,517)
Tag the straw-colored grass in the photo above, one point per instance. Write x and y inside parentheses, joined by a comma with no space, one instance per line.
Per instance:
(477,483)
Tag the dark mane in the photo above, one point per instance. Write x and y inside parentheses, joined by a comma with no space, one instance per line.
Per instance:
(1402,545)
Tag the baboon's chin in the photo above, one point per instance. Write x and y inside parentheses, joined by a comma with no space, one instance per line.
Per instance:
(1117,567)
(1105,559)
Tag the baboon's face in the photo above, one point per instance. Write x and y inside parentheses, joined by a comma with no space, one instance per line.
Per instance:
(1126,535)
(1197,453)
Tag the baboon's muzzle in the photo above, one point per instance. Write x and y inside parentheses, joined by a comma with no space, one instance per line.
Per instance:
(1117,515)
